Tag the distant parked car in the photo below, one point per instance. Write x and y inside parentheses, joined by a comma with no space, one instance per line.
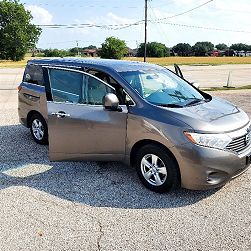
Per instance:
(142,114)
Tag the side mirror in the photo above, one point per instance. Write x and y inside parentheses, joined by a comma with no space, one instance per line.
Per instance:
(111,102)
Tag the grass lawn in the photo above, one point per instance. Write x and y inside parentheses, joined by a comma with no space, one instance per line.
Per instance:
(160,61)
(12,64)
(195,60)
(245,87)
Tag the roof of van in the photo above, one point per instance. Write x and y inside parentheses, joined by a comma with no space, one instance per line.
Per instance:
(117,65)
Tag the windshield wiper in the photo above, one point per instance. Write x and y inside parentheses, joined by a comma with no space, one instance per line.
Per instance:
(194,101)
(170,105)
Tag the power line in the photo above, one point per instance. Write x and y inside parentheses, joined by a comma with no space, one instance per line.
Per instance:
(205,28)
(185,12)
(83,41)
(121,26)
(70,5)
(129,7)
(173,16)
(140,22)
(158,19)
(162,31)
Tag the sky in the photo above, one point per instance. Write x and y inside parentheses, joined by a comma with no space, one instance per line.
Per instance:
(217,14)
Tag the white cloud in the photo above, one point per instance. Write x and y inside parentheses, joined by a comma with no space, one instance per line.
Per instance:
(40,15)
(112,18)
(224,14)
(233,16)
(108,19)
(233,5)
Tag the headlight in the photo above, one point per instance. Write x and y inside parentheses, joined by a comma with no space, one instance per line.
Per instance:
(219,141)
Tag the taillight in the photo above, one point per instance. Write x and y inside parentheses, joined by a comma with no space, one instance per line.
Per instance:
(19,88)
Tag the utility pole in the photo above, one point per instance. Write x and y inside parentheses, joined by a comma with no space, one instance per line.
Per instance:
(77,47)
(145,29)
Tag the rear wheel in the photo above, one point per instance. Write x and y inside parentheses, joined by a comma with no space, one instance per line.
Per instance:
(157,169)
(39,130)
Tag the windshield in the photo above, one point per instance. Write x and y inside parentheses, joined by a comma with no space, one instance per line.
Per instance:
(162,87)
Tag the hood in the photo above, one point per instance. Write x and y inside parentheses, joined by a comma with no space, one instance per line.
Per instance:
(217,115)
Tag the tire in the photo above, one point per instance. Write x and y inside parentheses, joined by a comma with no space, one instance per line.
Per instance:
(157,169)
(39,129)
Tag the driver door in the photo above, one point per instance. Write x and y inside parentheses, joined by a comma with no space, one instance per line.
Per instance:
(78,124)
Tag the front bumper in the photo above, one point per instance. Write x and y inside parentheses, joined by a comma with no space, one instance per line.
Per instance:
(205,168)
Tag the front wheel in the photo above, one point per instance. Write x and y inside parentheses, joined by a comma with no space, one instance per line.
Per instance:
(157,169)
(39,130)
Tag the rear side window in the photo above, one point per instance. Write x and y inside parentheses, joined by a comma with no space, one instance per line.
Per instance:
(76,87)
(34,74)
(66,86)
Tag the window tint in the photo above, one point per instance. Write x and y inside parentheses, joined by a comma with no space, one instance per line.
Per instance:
(34,74)
(161,87)
(112,82)
(66,86)
(74,87)
(96,90)
(134,80)
(102,76)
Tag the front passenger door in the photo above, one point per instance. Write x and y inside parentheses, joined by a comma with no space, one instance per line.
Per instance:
(79,125)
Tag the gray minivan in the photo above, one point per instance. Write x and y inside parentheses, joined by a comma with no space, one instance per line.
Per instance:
(142,114)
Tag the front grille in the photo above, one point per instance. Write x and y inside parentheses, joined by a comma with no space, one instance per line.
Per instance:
(239,144)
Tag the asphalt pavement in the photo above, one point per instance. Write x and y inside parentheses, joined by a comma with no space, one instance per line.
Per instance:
(218,75)
(90,206)
(10,78)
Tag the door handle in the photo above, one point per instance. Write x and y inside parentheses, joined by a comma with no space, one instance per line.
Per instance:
(60,114)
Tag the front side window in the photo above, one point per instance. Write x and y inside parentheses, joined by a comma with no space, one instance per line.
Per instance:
(119,91)
(161,87)
(96,90)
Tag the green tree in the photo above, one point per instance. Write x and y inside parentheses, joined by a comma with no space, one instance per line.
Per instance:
(91,47)
(74,51)
(202,48)
(239,47)
(17,34)
(153,49)
(221,47)
(113,48)
(182,49)
(57,53)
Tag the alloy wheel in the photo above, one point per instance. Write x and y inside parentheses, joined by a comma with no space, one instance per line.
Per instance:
(37,129)
(153,170)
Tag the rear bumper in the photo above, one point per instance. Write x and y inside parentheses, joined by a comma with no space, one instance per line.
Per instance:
(205,168)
